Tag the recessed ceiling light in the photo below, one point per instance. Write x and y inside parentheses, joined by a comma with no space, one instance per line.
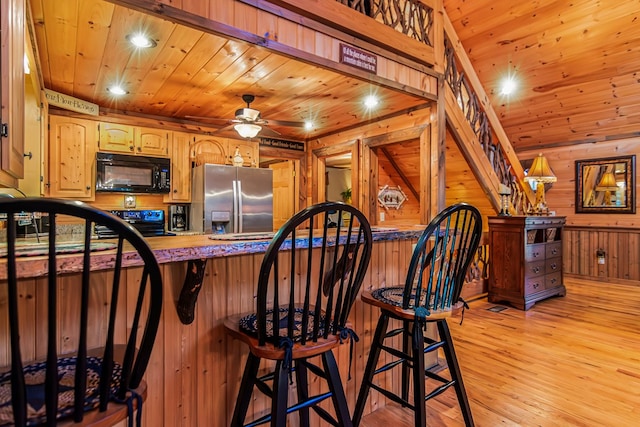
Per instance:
(508,86)
(308,125)
(116,90)
(140,40)
(371,101)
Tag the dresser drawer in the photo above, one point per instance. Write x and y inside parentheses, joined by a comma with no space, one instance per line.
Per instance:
(535,268)
(534,284)
(534,252)
(553,280)
(553,265)
(553,249)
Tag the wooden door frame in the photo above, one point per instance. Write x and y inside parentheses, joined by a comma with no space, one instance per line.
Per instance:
(319,168)
(300,164)
(428,163)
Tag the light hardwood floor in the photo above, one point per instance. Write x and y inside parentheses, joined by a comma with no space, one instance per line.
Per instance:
(569,361)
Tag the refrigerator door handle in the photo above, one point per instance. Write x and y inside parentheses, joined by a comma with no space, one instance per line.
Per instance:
(234,216)
(239,210)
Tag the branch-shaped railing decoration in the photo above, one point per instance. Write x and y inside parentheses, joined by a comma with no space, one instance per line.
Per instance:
(409,17)
(477,118)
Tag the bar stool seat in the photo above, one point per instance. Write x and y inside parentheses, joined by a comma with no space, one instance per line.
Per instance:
(430,295)
(303,301)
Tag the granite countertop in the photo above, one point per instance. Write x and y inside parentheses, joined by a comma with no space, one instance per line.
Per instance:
(175,249)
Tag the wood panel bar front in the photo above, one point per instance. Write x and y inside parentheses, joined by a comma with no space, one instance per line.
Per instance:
(195,369)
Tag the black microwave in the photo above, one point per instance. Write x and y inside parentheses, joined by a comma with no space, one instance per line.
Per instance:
(132,174)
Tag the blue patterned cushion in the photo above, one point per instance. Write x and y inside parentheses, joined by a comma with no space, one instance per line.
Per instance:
(34,380)
(249,323)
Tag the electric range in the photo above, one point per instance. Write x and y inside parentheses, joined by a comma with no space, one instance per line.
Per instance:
(149,222)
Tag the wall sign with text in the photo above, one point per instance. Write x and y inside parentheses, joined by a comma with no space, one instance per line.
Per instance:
(358,58)
(281,143)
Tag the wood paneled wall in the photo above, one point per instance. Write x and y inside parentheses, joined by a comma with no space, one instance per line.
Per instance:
(621,247)
(617,234)
(461,183)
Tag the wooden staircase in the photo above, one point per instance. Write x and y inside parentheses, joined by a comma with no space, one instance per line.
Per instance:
(477,130)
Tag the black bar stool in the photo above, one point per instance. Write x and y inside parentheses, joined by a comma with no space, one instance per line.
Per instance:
(431,291)
(111,346)
(303,300)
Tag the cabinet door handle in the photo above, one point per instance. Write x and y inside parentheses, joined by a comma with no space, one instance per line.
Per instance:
(88,187)
(175,190)
(131,148)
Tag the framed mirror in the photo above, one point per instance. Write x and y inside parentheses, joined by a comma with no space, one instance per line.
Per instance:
(606,185)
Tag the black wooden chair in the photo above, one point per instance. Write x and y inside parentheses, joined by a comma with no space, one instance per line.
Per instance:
(430,293)
(83,325)
(303,300)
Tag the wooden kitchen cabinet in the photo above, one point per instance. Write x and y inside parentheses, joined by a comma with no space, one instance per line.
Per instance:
(72,157)
(151,142)
(525,255)
(116,137)
(133,140)
(180,145)
(249,150)
(12,92)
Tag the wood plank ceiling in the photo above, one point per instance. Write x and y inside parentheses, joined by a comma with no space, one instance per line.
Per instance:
(577,63)
(82,50)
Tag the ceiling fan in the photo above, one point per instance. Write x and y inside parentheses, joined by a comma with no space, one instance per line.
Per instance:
(248,123)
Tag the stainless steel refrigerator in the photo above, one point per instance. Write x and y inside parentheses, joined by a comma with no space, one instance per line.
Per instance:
(229,199)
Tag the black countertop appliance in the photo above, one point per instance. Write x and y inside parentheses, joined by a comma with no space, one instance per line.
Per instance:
(149,222)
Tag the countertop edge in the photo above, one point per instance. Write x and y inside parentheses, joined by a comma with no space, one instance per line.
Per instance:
(168,249)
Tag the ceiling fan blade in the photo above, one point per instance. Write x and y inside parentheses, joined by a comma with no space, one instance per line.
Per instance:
(285,123)
(265,131)
(225,129)
(209,119)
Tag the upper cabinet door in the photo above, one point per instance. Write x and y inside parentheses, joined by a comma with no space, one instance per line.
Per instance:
(72,157)
(180,169)
(151,142)
(115,137)
(12,17)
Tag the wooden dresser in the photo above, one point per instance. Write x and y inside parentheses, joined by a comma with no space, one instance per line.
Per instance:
(525,256)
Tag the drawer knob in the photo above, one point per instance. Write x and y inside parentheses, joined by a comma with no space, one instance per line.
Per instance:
(536,269)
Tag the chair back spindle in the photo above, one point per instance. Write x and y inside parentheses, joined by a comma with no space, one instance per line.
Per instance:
(120,360)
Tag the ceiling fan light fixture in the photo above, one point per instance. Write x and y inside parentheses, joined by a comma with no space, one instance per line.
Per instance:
(247,130)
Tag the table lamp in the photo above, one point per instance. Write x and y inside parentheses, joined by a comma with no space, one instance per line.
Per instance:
(541,174)
(607,184)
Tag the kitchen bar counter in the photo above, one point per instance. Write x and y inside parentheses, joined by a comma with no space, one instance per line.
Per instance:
(195,368)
